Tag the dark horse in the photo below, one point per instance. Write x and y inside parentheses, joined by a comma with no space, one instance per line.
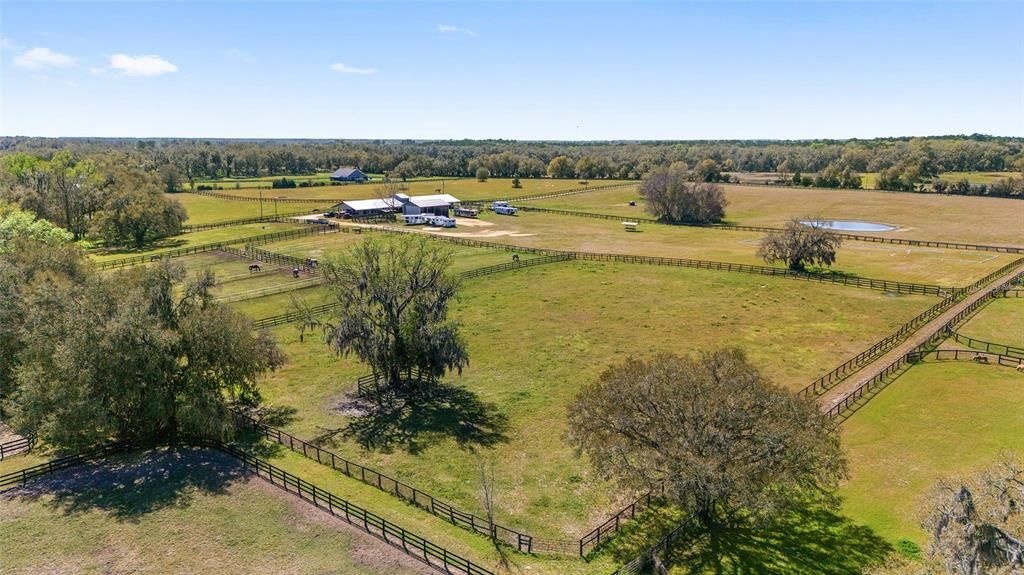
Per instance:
(254,268)
(515,257)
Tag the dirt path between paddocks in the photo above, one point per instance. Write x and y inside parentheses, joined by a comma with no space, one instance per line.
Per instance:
(833,396)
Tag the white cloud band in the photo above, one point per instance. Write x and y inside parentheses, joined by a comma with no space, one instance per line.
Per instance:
(150,65)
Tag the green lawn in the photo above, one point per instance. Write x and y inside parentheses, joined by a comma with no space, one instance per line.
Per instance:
(935,420)
(536,335)
(920,216)
(179,512)
(882,261)
(1000,321)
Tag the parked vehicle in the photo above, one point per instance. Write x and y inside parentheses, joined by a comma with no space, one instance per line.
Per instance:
(441,221)
(414,219)
(466,212)
(503,208)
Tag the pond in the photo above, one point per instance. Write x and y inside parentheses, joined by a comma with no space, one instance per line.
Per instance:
(850,225)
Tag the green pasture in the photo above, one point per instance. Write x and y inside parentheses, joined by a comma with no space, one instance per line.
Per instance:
(880,261)
(919,216)
(937,419)
(232,233)
(179,512)
(536,335)
(1000,321)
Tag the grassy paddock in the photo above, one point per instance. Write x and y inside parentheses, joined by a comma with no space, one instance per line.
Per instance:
(1000,321)
(920,216)
(536,335)
(198,238)
(179,512)
(935,420)
(902,263)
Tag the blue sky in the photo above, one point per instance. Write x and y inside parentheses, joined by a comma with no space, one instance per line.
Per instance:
(521,71)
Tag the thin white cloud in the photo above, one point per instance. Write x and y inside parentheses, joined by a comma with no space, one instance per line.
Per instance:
(239,56)
(346,69)
(150,65)
(449,29)
(8,44)
(43,58)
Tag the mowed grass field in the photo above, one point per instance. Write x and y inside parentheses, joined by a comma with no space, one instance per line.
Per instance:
(936,420)
(179,512)
(206,210)
(881,261)
(1000,321)
(919,216)
(537,335)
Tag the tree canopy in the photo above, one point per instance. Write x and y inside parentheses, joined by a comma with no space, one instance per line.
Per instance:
(394,295)
(801,243)
(722,440)
(135,355)
(671,197)
(21,224)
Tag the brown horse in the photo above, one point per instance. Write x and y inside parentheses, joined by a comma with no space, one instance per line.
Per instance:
(254,268)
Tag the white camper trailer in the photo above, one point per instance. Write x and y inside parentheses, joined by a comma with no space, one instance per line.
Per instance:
(440,221)
(503,208)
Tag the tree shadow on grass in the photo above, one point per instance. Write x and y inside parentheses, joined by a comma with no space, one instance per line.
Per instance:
(809,539)
(130,486)
(414,423)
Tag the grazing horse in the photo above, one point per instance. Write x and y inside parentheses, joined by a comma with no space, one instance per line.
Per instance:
(254,268)
(515,258)
(980,358)
(1020,366)
(154,258)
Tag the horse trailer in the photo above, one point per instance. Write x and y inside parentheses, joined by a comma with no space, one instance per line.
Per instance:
(503,208)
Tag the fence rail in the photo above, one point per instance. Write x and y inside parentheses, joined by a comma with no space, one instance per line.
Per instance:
(767,229)
(387,484)
(849,367)
(603,532)
(414,545)
(514,265)
(307,230)
(241,222)
(241,198)
(642,561)
(854,397)
(988,346)
(964,355)
(14,446)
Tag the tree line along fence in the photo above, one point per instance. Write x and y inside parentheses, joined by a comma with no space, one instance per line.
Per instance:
(14,446)
(241,222)
(767,229)
(855,397)
(406,541)
(850,366)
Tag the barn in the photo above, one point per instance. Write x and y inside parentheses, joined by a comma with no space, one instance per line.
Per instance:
(349,174)
(437,205)
(357,208)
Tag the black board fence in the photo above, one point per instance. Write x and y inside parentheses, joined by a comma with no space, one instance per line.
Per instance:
(851,365)
(983,357)
(988,346)
(859,396)
(408,542)
(241,222)
(14,446)
(603,532)
(241,198)
(293,316)
(767,229)
(373,478)
(641,562)
(307,230)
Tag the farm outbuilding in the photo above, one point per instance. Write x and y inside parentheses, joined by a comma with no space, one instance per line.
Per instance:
(349,174)
(434,205)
